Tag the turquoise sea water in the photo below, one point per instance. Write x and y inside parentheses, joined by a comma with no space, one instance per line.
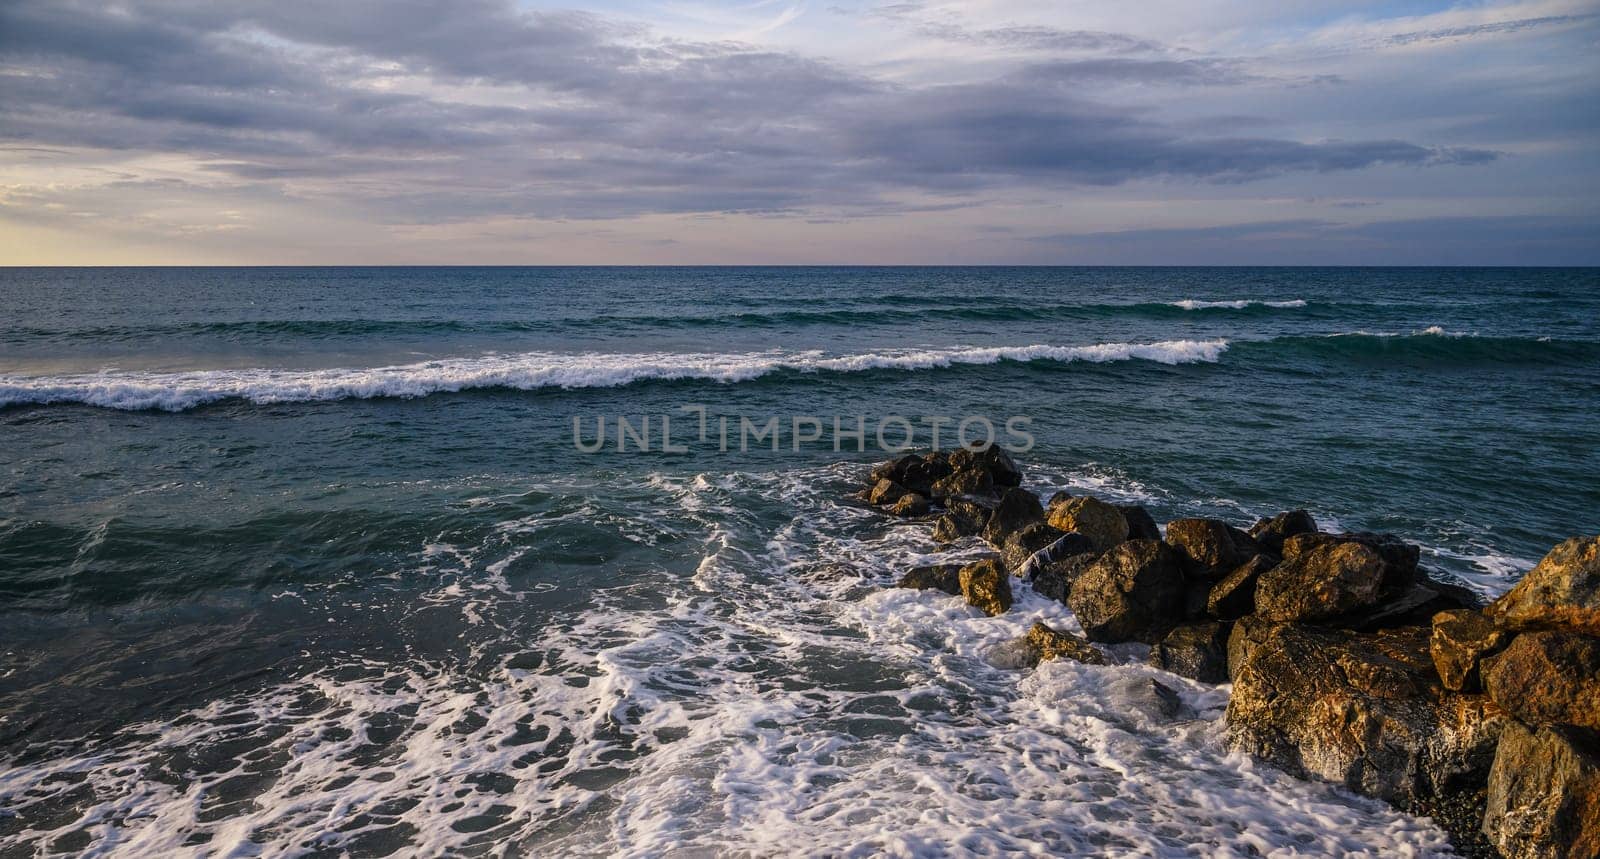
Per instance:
(305,560)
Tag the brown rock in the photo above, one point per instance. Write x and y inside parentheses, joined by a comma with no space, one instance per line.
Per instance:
(910,504)
(1102,523)
(1017,509)
(939,577)
(974,482)
(1054,579)
(1461,639)
(1234,595)
(1544,794)
(986,585)
(886,491)
(1021,545)
(1054,644)
(962,518)
(916,473)
(1563,591)
(1135,591)
(1141,525)
(1198,651)
(1547,678)
(1322,581)
(1360,709)
(1003,471)
(1210,547)
(1270,533)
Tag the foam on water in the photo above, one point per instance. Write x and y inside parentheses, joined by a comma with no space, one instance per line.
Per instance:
(778,700)
(533,370)
(1236,304)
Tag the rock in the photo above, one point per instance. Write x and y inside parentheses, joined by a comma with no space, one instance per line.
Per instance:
(962,518)
(1210,547)
(938,577)
(1399,557)
(1547,678)
(1017,508)
(1054,644)
(1054,579)
(1003,471)
(1544,794)
(1269,534)
(910,504)
(1234,595)
(1057,498)
(1135,591)
(1141,525)
(916,473)
(986,585)
(1461,639)
(1198,651)
(1065,546)
(886,491)
(1021,545)
(1562,591)
(1320,581)
(1100,522)
(1414,606)
(970,482)
(1364,710)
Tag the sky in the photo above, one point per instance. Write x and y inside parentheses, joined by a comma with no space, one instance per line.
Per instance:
(1168,132)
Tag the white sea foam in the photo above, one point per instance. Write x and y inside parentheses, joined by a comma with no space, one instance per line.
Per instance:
(533,370)
(1236,304)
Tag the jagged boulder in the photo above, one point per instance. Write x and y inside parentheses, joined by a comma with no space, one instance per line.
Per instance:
(1320,580)
(886,491)
(1233,596)
(1198,651)
(1065,546)
(962,517)
(1563,591)
(1141,525)
(1133,592)
(1547,677)
(917,473)
(1102,523)
(939,577)
(1461,639)
(1210,547)
(1544,794)
(1364,710)
(1054,578)
(986,585)
(911,504)
(1003,471)
(1399,557)
(1017,509)
(968,482)
(1270,533)
(1412,605)
(1020,546)
(1053,644)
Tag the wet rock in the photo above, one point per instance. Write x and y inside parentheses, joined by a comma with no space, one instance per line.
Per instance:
(1057,498)
(1141,525)
(1562,591)
(1003,471)
(986,585)
(1364,710)
(1234,595)
(1102,523)
(1198,651)
(970,482)
(1399,557)
(962,518)
(1547,677)
(1134,592)
(1065,546)
(1461,639)
(1210,547)
(1416,605)
(917,473)
(1017,509)
(1270,533)
(938,577)
(1544,794)
(1054,579)
(1021,545)
(1320,580)
(910,504)
(886,491)
(1054,644)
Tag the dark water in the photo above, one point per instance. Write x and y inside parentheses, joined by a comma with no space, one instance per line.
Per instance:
(305,559)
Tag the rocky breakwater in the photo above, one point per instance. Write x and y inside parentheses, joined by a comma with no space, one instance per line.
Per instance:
(1349,662)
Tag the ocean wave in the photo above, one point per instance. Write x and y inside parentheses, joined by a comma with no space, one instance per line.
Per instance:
(1431,348)
(1237,304)
(535,370)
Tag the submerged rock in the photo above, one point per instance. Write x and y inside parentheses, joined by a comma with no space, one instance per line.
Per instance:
(1198,651)
(1102,523)
(986,585)
(1017,509)
(1134,592)
(1270,533)
(1547,678)
(1210,547)
(940,577)
(1234,595)
(1460,641)
(1544,794)
(1563,591)
(1054,644)
(1364,710)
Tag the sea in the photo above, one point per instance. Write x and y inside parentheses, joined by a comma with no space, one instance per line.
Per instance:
(565,561)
